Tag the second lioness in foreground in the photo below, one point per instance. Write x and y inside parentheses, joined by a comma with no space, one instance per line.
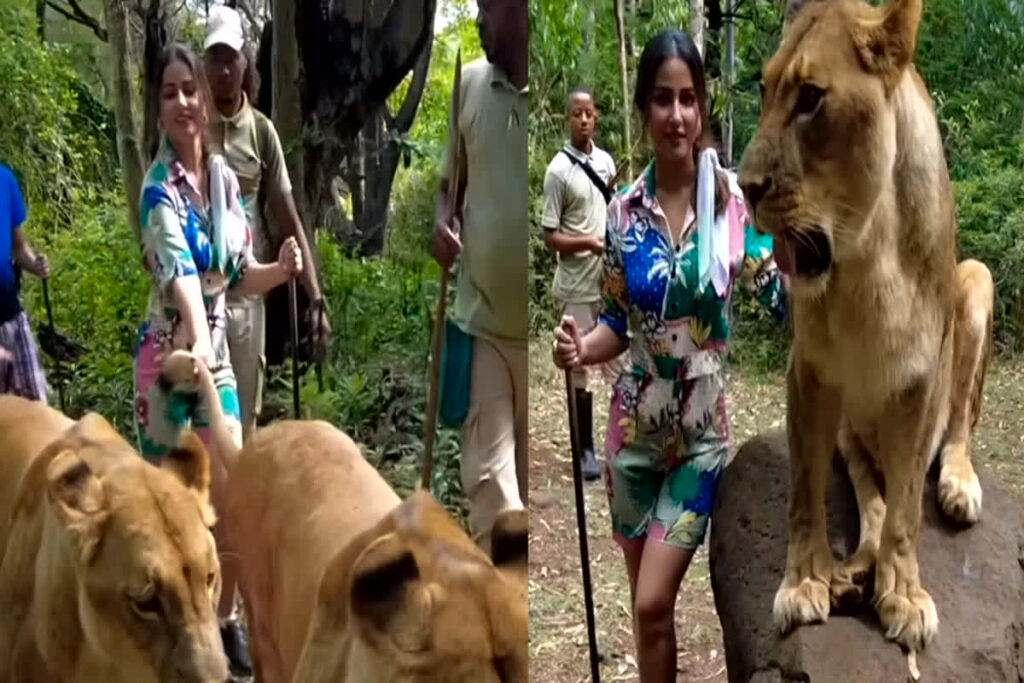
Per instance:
(344,582)
(892,337)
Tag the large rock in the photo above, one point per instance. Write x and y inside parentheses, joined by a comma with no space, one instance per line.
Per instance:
(975,576)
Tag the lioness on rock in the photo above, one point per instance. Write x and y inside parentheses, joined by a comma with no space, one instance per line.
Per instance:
(345,583)
(891,337)
(108,571)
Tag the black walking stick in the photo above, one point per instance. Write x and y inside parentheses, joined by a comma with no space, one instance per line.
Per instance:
(53,334)
(293,308)
(581,522)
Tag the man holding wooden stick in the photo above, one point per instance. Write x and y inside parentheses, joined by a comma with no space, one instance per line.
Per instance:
(489,227)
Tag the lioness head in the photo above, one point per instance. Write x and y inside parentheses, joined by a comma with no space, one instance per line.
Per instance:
(422,603)
(826,144)
(142,553)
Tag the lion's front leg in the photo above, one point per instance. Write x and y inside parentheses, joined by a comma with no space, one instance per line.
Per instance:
(850,577)
(959,490)
(905,609)
(812,422)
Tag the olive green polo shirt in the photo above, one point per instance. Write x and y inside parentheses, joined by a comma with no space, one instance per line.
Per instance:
(491,295)
(249,142)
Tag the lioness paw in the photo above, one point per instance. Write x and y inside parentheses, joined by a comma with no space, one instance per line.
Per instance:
(960,492)
(179,372)
(850,578)
(806,602)
(910,620)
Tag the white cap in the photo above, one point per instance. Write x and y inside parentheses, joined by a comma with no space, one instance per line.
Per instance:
(224,26)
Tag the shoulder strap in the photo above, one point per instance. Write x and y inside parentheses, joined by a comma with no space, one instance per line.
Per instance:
(598,183)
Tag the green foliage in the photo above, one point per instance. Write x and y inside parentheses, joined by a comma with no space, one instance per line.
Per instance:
(98,294)
(375,380)
(55,135)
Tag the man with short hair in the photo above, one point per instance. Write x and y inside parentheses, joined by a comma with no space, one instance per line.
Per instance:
(20,371)
(576,195)
(249,143)
(252,148)
(490,228)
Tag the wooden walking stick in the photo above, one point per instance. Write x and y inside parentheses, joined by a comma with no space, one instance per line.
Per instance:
(581,523)
(53,333)
(437,345)
(293,309)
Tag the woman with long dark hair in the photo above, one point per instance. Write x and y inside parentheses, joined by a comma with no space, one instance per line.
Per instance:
(676,242)
(197,245)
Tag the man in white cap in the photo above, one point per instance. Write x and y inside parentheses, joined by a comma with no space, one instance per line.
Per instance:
(249,142)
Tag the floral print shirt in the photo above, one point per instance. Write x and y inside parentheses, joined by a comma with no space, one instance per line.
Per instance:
(651,299)
(178,237)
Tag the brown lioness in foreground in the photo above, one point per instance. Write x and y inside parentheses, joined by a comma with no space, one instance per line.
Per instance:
(345,583)
(108,571)
(891,337)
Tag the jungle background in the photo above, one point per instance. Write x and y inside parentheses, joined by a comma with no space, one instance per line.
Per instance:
(362,113)
(971,55)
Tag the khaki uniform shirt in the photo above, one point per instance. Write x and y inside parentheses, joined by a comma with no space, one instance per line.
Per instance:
(249,142)
(491,296)
(574,205)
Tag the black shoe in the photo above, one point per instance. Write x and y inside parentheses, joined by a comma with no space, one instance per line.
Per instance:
(236,647)
(591,468)
(585,426)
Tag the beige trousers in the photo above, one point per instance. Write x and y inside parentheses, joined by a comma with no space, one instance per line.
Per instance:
(246,323)
(494,436)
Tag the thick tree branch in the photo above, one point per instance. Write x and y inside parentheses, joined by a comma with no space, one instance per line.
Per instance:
(79,16)
(407,112)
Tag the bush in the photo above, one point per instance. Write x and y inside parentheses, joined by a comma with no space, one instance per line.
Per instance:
(98,291)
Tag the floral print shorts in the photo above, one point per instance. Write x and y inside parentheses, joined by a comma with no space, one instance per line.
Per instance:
(665,448)
(161,416)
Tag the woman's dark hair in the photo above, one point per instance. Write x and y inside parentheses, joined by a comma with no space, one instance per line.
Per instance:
(176,52)
(673,43)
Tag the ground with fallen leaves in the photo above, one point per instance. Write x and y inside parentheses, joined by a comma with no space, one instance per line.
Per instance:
(558,635)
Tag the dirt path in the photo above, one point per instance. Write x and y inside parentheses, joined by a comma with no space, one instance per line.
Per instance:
(558,636)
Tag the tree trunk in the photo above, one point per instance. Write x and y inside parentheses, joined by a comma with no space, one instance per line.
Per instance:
(588,58)
(730,78)
(287,91)
(124,111)
(41,18)
(154,42)
(624,74)
(697,24)
(387,151)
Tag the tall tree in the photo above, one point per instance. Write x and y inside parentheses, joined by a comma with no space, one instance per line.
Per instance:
(128,146)
(697,24)
(729,77)
(382,154)
(155,39)
(620,27)
(286,79)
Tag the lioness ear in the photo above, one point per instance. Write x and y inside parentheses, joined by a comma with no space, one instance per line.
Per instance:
(190,462)
(510,538)
(388,596)
(76,496)
(886,46)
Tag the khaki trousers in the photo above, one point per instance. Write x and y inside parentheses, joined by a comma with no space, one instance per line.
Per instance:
(246,323)
(494,435)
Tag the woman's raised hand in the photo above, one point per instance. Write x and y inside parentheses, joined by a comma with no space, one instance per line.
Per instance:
(568,345)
